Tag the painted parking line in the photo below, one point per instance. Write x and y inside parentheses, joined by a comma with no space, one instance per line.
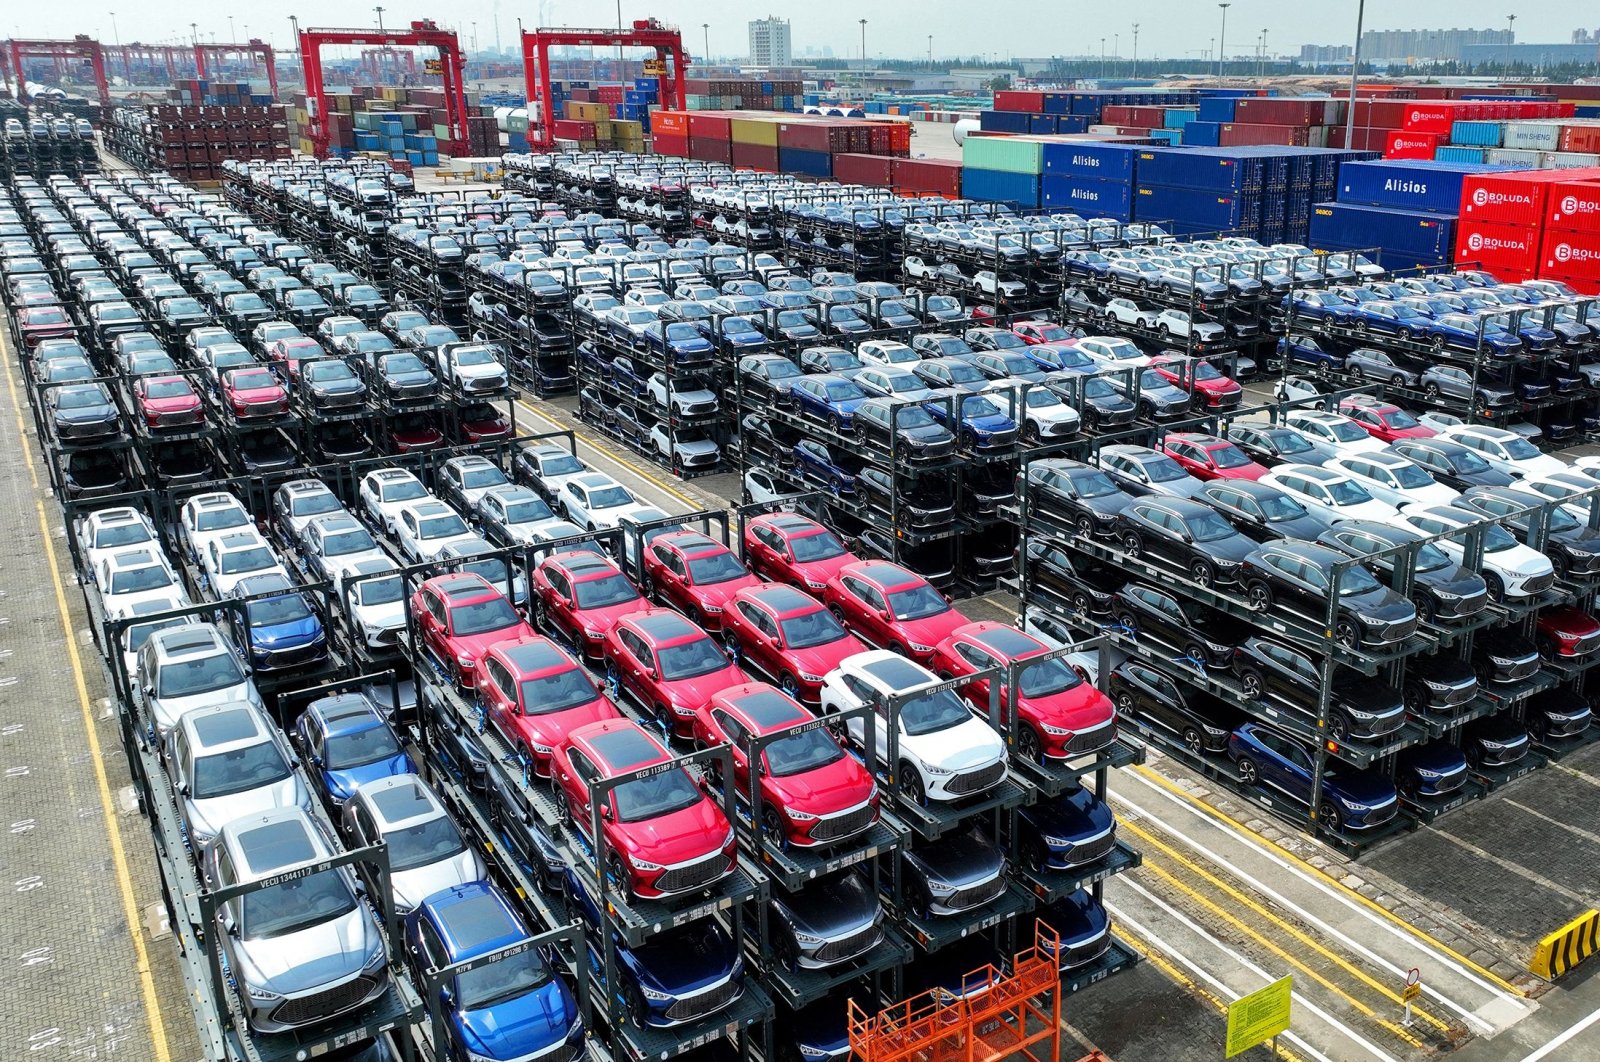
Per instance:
(1587,835)
(1561,1041)
(1512,867)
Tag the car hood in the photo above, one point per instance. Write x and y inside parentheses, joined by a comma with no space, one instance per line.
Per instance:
(86,414)
(603,619)
(1436,756)
(1367,694)
(958,860)
(821,659)
(1077,918)
(1361,787)
(388,617)
(411,887)
(816,573)
(1383,605)
(969,744)
(281,635)
(522,1025)
(831,907)
(1234,548)
(208,815)
(679,837)
(1079,708)
(1076,816)
(178,404)
(839,785)
(698,446)
(693,692)
(1306,527)
(168,710)
(551,729)
(342,783)
(478,644)
(677,962)
(310,957)
(1523,560)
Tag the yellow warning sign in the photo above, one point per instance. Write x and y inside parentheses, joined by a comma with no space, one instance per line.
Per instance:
(1411,992)
(1258,1017)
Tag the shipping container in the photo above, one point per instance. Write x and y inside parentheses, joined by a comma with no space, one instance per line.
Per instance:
(998,121)
(753,131)
(1570,253)
(1014,100)
(1580,137)
(1288,111)
(1003,154)
(1495,247)
(1196,210)
(1349,226)
(805,162)
(1088,196)
(1532,136)
(753,156)
(928,176)
(1568,160)
(1219,170)
(1574,205)
(1088,159)
(1001,186)
(874,170)
(1477,134)
(709,126)
(1424,185)
(711,150)
(1406,144)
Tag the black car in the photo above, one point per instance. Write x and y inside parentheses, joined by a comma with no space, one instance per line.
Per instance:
(1572,546)
(1439,683)
(1089,587)
(330,383)
(1452,464)
(1076,493)
(177,464)
(906,427)
(1441,588)
(961,872)
(93,474)
(1203,634)
(82,413)
(1300,575)
(1494,741)
(261,452)
(1066,832)
(769,375)
(834,920)
(1100,403)
(1185,534)
(1273,445)
(404,377)
(1358,706)
(338,443)
(1199,719)
(923,508)
(1553,715)
(1502,657)
(834,360)
(1261,511)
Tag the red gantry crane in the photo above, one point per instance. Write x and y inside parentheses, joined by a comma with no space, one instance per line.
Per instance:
(646,33)
(81,47)
(254,49)
(422,34)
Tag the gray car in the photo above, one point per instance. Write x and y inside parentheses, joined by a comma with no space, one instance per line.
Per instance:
(960,873)
(306,948)
(1139,471)
(1373,364)
(426,851)
(227,762)
(833,921)
(184,668)
(1456,382)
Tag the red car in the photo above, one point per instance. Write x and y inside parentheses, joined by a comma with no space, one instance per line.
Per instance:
(1063,715)
(459,617)
(1208,457)
(812,791)
(167,401)
(535,695)
(1200,378)
(789,636)
(254,393)
(787,548)
(581,596)
(669,665)
(412,432)
(39,323)
(663,835)
(891,607)
(1567,631)
(695,574)
(294,350)
(481,422)
(1033,332)
(1384,420)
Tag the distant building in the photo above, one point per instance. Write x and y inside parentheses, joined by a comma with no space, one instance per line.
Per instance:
(1534,55)
(1324,53)
(1379,45)
(769,42)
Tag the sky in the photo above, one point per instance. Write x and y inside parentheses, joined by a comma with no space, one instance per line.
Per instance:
(898,29)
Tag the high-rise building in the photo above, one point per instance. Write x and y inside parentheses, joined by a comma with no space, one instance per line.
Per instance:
(1378,45)
(769,42)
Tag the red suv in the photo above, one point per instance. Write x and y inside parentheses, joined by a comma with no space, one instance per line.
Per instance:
(1200,379)
(535,695)
(891,607)
(167,402)
(459,616)
(668,665)
(1036,332)
(581,596)
(812,791)
(1567,631)
(1208,457)
(1063,715)
(788,635)
(663,834)
(39,323)
(1384,420)
(254,392)
(787,548)
(695,574)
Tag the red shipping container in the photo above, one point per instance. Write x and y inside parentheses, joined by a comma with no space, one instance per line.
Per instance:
(1381,114)
(1239,134)
(928,176)
(709,125)
(673,123)
(710,150)
(1497,246)
(668,144)
(1571,254)
(1574,205)
(1371,139)
(878,140)
(755,157)
(1014,100)
(1435,116)
(1405,144)
(1286,111)
(1580,138)
(874,170)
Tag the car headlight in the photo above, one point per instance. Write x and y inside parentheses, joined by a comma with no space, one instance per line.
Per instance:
(543,750)
(465,661)
(810,678)
(728,840)
(1354,714)
(1055,731)
(806,938)
(939,888)
(377,960)
(261,995)
(654,996)
(915,648)
(800,816)
(935,769)
(1423,772)
(1353,805)
(644,864)
(712,610)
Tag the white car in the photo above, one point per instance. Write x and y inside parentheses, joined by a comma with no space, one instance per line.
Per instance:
(946,752)
(886,352)
(919,268)
(1334,429)
(463,480)
(556,532)
(1113,353)
(1390,478)
(761,485)
(596,501)
(1180,323)
(134,637)
(1575,487)
(425,846)
(1126,311)
(422,529)
(373,593)
(1504,450)
(228,761)
(337,541)
(207,517)
(1511,569)
(472,368)
(128,576)
(233,558)
(1044,414)
(1329,493)
(686,449)
(110,530)
(689,399)
(510,514)
(297,503)
(546,467)
(388,490)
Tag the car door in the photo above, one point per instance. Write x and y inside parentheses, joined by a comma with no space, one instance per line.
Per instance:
(499,695)
(975,658)
(435,624)
(1296,771)
(671,576)
(1274,766)
(764,549)
(636,665)
(578,778)
(765,647)
(872,609)
(729,729)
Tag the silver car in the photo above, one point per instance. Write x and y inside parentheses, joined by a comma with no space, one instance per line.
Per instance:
(426,851)
(184,668)
(227,762)
(306,948)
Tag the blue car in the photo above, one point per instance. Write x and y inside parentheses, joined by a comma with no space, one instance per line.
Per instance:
(678,341)
(816,1032)
(738,332)
(817,461)
(1460,330)
(348,743)
(982,424)
(1060,358)
(1303,350)
(1319,305)
(1351,799)
(1393,318)
(1072,830)
(284,631)
(1430,770)
(514,1008)
(1083,926)
(678,976)
(830,398)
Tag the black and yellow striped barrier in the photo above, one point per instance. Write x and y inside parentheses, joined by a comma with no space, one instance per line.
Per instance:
(1559,952)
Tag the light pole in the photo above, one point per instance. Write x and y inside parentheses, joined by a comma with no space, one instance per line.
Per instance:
(1355,75)
(1511,25)
(231,34)
(194,32)
(1102,58)
(1135,50)
(114,34)
(1263,71)
(930,49)
(294,28)
(474,38)
(1222,40)
(705,28)
(379,10)
(863,46)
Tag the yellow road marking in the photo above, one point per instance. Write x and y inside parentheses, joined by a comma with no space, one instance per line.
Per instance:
(1376,908)
(119,857)
(612,454)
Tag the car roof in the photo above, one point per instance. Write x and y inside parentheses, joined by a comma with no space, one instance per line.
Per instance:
(781,597)
(220,727)
(398,799)
(532,655)
(622,745)
(272,841)
(456,587)
(764,708)
(344,713)
(663,624)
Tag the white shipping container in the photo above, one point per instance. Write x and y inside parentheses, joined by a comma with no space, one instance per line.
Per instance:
(1568,160)
(1513,157)
(1535,136)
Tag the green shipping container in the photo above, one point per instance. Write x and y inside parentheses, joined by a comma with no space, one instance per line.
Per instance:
(1004,153)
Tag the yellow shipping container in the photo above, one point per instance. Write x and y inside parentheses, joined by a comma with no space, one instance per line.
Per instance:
(754,131)
(625,130)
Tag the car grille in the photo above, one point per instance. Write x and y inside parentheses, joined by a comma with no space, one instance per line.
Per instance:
(698,409)
(688,1008)
(347,398)
(324,1004)
(1445,696)
(693,875)
(977,781)
(1464,606)
(1088,851)
(1539,583)
(1388,724)
(1379,816)
(264,409)
(848,947)
(1515,670)
(1505,754)
(190,417)
(300,654)
(975,895)
(1094,737)
(919,516)
(1586,645)
(1568,727)
(998,441)
(486,383)
(1583,563)
(845,824)
(931,450)
(696,460)
(1451,782)
(1398,631)
(1124,416)
(1086,951)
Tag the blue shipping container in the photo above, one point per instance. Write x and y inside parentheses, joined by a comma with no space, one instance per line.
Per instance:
(1086,159)
(1072,123)
(1198,210)
(1350,226)
(1057,103)
(1003,121)
(1406,184)
(1042,123)
(1213,169)
(810,163)
(1203,134)
(1087,196)
(1459,154)
(1018,189)
(1217,109)
(1477,134)
(1178,117)
(1167,136)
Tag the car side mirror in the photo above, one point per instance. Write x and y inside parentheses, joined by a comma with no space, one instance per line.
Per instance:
(447,997)
(183,790)
(316,761)
(229,926)
(650,672)
(607,814)
(885,615)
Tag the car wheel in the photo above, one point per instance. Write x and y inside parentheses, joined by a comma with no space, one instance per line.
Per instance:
(525,763)
(1249,773)
(1132,542)
(1427,611)
(1080,601)
(1125,703)
(1196,652)
(789,685)
(1431,392)
(786,951)
(1338,727)
(1203,573)
(838,614)
(1029,747)
(1347,634)
(1252,683)
(1128,620)
(1031,434)
(911,786)
(1259,596)
(899,649)
(1035,855)
(1091,420)
(1397,380)
(772,824)
(1085,526)
(1329,814)
(918,901)
(633,999)
(541,615)
(1438,344)
(1192,742)
(1497,588)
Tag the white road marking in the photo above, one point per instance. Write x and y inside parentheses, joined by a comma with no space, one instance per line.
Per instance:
(1560,1041)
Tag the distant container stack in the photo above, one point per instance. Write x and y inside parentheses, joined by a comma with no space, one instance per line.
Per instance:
(725,94)
(1542,224)
(790,143)
(192,141)
(401,124)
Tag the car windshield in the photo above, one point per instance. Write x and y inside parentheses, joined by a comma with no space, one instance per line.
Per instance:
(805,751)
(655,795)
(917,602)
(528,511)
(135,580)
(1346,430)
(315,504)
(128,534)
(812,629)
(1358,580)
(1208,527)
(356,540)
(331,369)
(1411,476)
(401,490)
(361,747)
(474,356)
(247,560)
(1519,449)
(818,547)
(273,611)
(220,519)
(490,614)
(1163,469)
(384,591)
(1048,678)
(613,589)
(557,692)
(294,904)
(441,526)
(403,363)
(1280,507)
(1497,539)
(507,979)
(715,568)
(1292,442)
(609,497)
(1229,457)
(238,771)
(1204,370)
(170,389)
(81,399)
(1346,492)
(207,674)
(483,477)
(424,844)
(691,659)
(933,712)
